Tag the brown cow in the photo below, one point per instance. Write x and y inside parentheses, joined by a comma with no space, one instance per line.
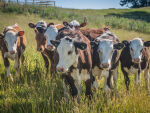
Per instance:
(90,33)
(12,45)
(105,59)
(135,59)
(43,32)
(75,61)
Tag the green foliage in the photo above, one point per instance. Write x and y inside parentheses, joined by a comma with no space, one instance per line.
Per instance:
(135,3)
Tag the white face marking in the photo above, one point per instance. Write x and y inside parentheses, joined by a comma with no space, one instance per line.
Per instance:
(41,23)
(51,34)
(74,23)
(136,47)
(11,40)
(67,54)
(105,51)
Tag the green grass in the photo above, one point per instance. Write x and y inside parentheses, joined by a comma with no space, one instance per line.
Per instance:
(34,92)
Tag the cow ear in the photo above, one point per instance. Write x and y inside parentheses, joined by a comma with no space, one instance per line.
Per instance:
(93,44)
(55,43)
(20,33)
(118,46)
(65,24)
(50,24)
(32,25)
(80,45)
(147,44)
(1,36)
(125,42)
(83,24)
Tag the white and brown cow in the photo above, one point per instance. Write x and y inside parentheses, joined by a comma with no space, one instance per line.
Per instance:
(43,34)
(135,58)
(75,61)
(12,45)
(105,58)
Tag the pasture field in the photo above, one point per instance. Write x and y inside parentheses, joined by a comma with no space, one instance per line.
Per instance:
(37,93)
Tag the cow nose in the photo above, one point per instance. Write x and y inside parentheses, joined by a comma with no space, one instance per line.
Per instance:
(60,69)
(12,52)
(105,65)
(50,47)
(136,60)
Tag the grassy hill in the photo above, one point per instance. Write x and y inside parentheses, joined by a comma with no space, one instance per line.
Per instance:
(34,92)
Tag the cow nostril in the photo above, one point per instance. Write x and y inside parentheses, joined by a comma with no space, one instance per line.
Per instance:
(12,52)
(105,65)
(137,60)
(59,69)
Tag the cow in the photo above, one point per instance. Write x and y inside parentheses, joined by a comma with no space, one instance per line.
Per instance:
(75,61)
(90,33)
(12,46)
(105,59)
(42,33)
(134,59)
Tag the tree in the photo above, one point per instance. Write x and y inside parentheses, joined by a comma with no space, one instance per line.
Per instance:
(135,3)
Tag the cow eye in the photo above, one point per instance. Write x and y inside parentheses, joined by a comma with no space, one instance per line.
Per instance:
(131,49)
(70,52)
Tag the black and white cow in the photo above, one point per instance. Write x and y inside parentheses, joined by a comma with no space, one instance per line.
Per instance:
(135,58)
(105,58)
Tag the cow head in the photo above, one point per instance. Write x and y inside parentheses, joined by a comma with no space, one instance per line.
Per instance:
(67,50)
(11,37)
(136,47)
(40,29)
(74,24)
(51,34)
(105,49)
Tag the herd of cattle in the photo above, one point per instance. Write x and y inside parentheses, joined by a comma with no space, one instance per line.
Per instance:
(79,54)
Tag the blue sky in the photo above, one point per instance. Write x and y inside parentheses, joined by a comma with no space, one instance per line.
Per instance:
(89,4)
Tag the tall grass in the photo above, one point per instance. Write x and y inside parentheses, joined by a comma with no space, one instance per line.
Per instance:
(35,92)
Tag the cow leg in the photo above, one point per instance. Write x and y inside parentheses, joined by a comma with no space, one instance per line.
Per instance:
(107,83)
(94,82)
(68,80)
(137,78)
(115,79)
(65,89)
(6,63)
(88,88)
(16,65)
(126,77)
(78,86)
(146,75)
(46,63)
(52,69)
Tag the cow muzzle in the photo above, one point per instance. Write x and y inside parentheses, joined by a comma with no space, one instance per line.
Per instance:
(50,47)
(136,60)
(104,65)
(12,52)
(60,69)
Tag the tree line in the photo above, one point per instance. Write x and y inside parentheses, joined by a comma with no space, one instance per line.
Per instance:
(135,3)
